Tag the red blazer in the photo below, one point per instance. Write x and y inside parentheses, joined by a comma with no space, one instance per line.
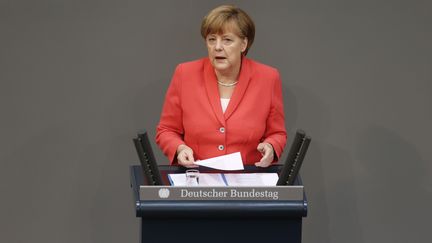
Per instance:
(192,113)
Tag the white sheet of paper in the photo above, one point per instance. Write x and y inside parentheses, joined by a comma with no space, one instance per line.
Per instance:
(252,179)
(225,162)
(205,179)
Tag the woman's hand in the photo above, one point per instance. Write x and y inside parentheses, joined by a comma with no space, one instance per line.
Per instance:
(267,152)
(185,156)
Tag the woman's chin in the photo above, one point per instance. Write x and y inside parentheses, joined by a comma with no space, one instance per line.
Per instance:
(221,66)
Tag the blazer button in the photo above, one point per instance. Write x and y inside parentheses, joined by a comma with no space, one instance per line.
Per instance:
(222,129)
(221,147)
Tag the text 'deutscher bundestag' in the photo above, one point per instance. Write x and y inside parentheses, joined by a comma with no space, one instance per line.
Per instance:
(275,193)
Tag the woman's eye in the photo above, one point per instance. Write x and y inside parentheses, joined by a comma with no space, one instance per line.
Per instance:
(227,41)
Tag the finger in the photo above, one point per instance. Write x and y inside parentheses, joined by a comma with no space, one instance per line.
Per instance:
(266,155)
(269,151)
(267,158)
(263,163)
(182,158)
(258,164)
(260,147)
(189,157)
(186,163)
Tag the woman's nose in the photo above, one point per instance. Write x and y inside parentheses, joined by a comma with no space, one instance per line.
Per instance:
(218,46)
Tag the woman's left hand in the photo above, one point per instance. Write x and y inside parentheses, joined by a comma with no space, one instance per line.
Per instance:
(267,152)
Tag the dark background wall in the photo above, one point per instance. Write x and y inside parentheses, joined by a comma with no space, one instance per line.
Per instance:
(79,78)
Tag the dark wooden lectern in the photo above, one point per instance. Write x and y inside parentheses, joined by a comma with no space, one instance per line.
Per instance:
(221,221)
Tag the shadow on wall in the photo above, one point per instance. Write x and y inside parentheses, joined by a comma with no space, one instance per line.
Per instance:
(295,108)
(316,224)
(327,171)
(396,193)
(113,199)
(338,195)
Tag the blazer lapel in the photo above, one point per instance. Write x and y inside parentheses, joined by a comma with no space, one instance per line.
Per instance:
(212,91)
(239,91)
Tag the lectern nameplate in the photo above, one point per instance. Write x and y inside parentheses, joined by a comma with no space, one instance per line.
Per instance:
(169,193)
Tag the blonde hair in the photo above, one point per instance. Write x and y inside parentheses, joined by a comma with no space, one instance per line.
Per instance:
(224,17)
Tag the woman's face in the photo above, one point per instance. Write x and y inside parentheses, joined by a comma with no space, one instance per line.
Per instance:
(225,50)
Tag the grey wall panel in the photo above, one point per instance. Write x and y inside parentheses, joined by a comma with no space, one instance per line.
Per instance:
(79,78)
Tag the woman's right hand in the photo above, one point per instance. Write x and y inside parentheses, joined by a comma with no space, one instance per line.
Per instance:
(185,156)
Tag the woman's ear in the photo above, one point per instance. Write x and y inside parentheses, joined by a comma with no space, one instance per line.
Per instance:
(244,44)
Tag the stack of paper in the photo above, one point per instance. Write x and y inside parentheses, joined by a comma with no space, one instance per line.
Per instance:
(251,179)
(205,179)
(226,162)
(237,179)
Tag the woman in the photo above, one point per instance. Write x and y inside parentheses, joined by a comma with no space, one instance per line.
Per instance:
(224,103)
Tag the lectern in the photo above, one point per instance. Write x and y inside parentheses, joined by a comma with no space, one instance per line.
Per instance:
(218,221)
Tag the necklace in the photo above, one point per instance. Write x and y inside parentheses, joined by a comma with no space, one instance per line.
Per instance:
(227,85)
